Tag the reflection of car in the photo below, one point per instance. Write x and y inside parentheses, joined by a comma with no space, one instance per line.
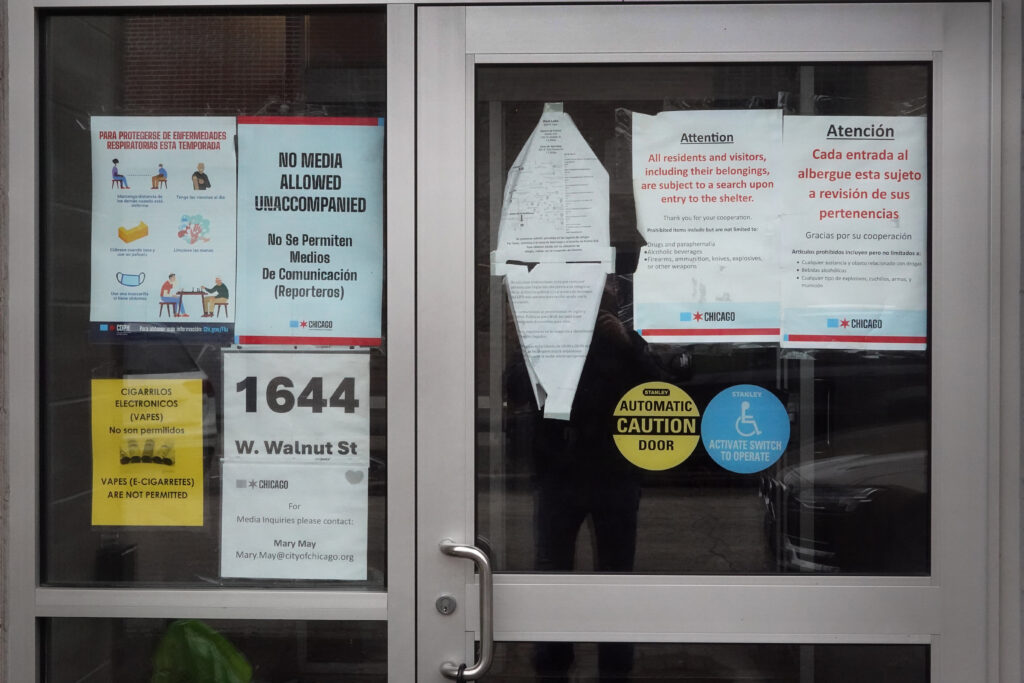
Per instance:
(851,513)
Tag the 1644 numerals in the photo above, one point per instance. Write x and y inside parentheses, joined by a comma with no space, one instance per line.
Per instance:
(281,398)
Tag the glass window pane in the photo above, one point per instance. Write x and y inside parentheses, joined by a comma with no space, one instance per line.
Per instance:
(850,492)
(163,64)
(115,650)
(709,662)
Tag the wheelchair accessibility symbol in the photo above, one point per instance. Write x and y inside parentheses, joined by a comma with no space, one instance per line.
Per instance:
(746,425)
(745,429)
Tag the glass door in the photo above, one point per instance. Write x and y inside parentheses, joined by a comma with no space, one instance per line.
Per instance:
(701,392)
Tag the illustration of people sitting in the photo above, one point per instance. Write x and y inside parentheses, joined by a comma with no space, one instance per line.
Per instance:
(118,178)
(220,296)
(166,297)
(199,179)
(160,177)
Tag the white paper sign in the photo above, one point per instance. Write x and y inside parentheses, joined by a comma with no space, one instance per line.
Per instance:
(295,406)
(707,191)
(555,214)
(163,224)
(294,521)
(554,307)
(555,206)
(855,249)
(296,463)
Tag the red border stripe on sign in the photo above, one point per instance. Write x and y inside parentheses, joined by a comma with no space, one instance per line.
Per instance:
(309,120)
(710,333)
(310,341)
(856,338)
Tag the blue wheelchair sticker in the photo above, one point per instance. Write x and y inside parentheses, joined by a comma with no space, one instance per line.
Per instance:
(745,429)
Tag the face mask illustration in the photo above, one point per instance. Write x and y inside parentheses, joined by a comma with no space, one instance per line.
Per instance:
(131,279)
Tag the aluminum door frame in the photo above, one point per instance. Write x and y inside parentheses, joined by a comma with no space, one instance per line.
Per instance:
(951,609)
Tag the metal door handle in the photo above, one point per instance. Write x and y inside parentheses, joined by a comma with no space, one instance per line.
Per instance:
(483,564)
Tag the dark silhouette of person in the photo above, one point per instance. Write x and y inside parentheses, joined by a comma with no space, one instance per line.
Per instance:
(580,473)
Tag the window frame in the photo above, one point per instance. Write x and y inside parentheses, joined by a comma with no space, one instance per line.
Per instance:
(27,601)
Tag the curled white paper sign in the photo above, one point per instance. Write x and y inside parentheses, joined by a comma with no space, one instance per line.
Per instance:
(554,215)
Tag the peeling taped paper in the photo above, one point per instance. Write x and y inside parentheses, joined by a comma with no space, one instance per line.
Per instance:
(554,308)
(555,206)
(555,214)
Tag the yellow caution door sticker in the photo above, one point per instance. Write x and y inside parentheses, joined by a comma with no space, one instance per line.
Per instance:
(656,425)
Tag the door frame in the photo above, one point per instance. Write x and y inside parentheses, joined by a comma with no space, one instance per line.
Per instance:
(957,607)
(24,602)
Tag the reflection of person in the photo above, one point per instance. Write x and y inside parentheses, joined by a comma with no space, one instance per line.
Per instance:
(161,174)
(199,179)
(116,175)
(220,296)
(165,297)
(580,473)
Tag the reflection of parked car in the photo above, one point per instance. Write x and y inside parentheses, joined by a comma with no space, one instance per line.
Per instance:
(851,513)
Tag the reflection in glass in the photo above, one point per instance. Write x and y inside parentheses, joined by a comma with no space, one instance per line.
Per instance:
(850,493)
(228,651)
(707,663)
(580,475)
